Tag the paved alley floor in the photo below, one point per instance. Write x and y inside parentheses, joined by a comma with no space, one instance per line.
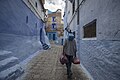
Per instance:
(46,66)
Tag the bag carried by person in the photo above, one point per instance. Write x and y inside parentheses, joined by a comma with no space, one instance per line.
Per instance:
(76,60)
(63,59)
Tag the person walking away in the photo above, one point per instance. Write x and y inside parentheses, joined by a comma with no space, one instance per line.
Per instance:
(69,49)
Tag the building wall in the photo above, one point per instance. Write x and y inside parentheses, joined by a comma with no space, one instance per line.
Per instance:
(36,7)
(106,13)
(69,11)
(19,29)
(100,55)
(58,19)
(58,28)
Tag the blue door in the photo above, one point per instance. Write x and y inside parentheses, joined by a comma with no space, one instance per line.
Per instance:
(62,42)
(53,36)
(49,36)
(41,35)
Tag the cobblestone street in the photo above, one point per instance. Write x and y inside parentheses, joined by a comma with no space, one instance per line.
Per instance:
(46,66)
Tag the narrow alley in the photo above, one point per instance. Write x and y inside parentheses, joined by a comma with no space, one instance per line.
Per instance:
(46,66)
(33,34)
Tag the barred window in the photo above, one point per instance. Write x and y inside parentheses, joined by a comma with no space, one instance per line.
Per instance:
(90,30)
(26,19)
(53,19)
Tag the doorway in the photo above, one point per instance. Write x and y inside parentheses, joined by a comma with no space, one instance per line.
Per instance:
(53,36)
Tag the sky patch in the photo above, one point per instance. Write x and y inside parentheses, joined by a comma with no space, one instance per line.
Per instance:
(53,5)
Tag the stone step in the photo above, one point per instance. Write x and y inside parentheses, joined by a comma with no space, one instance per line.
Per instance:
(45,46)
(5,54)
(11,73)
(8,62)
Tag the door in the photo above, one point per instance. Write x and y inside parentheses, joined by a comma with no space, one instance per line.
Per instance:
(53,36)
(49,36)
(41,35)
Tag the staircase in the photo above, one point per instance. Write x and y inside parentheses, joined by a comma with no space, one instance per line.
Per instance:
(45,46)
(9,66)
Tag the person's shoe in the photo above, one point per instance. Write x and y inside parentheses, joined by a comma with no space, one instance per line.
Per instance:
(69,77)
(70,73)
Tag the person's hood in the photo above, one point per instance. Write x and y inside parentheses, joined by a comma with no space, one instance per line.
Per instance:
(70,37)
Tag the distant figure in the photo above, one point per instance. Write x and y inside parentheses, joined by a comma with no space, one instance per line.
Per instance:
(69,49)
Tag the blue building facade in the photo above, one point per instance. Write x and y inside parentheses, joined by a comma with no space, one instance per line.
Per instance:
(53,25)
(52,35)
(97,30)
(21,31)
(21,35)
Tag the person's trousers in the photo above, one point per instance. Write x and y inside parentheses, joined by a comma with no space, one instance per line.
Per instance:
(68,64)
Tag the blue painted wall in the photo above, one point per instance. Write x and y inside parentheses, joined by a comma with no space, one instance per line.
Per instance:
(17,35)
(101,57)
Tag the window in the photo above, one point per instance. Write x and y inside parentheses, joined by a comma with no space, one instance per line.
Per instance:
(49,36)
(53,36)
(36,4)
(73,6)
(26,19)
(90,29)
(53,19)
(36,24)
(53,26)
(36,27)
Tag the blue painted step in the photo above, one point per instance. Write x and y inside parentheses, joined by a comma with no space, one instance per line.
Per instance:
(9,66)
(45,46)
(5,54)
(11,73)
(8,62)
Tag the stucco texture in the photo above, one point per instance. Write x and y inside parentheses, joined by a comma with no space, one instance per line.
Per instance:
(101,57)
(17,34)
